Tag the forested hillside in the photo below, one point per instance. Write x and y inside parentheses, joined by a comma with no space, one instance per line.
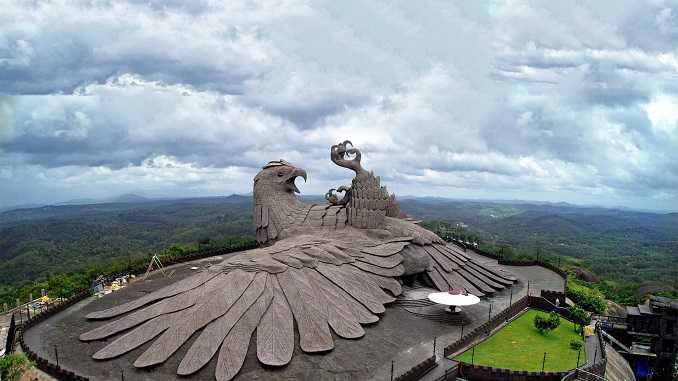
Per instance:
(54,239)
(47,240)
(644,245)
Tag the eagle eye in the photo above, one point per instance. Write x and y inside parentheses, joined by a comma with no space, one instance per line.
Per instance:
(281,174)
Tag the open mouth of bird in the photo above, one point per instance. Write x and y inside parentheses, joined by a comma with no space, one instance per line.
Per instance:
(292,177)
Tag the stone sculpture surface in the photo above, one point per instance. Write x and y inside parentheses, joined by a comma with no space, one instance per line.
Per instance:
(330,268)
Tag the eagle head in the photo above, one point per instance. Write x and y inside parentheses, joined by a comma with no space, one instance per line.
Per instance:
(277,177)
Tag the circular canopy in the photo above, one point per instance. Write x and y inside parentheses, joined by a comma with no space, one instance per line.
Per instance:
(452,299)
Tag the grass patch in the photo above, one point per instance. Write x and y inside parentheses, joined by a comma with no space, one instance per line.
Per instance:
(519,346)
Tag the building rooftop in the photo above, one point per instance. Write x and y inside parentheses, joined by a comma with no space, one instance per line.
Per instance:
(662,302)
(645,309)
(632,311)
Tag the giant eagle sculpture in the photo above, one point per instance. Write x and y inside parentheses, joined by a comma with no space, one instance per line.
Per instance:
(330,267)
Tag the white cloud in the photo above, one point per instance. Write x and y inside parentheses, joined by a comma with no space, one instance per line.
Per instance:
(563,101)
(663,112)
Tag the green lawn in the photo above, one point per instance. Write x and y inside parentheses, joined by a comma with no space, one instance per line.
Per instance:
(519,346)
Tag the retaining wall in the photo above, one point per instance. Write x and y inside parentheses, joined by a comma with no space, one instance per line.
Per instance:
(418,370)
(183,259)
(486,373)
(11,334)
(556,297)
(515,262)
(550,266)
(41,363)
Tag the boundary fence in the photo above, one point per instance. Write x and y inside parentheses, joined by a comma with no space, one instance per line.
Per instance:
(418,371)
(183,259)
(518,262)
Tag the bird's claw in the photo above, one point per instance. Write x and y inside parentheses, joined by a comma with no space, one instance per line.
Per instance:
(347,156)
(332,197)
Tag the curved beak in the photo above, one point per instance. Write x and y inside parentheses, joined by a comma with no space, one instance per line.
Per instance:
(299,173)
(289,179)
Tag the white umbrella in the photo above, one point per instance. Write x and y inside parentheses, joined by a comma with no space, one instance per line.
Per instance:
(452,298)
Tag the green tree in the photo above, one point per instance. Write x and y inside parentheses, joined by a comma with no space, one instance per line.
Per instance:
(576,344)
(579,317)
(546,323)
(554,320)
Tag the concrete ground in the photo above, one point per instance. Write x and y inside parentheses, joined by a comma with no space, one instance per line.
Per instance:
(399,336)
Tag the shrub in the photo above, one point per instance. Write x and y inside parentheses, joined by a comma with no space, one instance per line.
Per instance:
(544,324)
(576,344)
(554,320)
(540,323)
(13,365)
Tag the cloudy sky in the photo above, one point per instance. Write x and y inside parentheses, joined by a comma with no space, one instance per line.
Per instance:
(560,101)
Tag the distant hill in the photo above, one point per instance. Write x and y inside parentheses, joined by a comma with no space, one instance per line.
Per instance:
(49,239)
(79,201)
(130,197)
(24,206)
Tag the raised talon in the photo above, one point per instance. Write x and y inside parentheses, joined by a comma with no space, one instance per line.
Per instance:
(331,197)
(344,156)
(341,150)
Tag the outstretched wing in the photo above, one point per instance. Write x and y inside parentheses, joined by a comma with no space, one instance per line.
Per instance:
(323,284)
(448,265)
(451,267)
